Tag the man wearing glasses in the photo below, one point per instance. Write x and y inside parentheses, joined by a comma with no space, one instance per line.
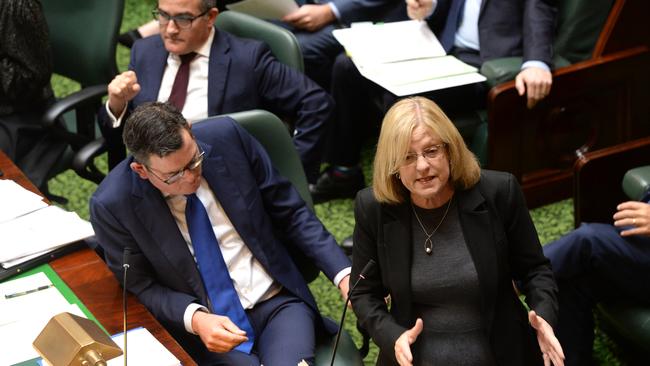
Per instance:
(156,203)
(205,72)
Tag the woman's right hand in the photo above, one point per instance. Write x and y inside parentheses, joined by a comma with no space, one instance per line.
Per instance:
(404,342)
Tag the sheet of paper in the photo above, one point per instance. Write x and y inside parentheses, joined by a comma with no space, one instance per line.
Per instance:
(389,42)
(404,58)
(31,304)
(47,228)
(24,297)
(19,336)
(265,9)
(17,201)
(143,349)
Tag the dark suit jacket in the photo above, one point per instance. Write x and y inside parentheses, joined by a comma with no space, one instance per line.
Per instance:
(510,28)
(370,10)
(265,209)
(503,243)
(243,75)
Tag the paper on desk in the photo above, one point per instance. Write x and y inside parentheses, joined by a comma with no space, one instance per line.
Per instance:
(17,201)
(143,349)
(23,317)
(25,306)
(265,9)
(45,229)
(19,336)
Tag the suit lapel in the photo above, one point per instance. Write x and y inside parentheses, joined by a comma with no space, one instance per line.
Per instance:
(476,224)
(397,236)
(218,72)
(158,221)
(153,72)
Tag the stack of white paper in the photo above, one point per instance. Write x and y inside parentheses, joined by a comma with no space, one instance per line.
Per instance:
(26,305)
(17,201)
(404,57)
(39,232)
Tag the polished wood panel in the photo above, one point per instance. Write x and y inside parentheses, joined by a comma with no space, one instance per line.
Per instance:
(96,286)
(598,177)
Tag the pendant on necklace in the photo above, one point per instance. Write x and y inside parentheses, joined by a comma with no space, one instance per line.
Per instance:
(428,246)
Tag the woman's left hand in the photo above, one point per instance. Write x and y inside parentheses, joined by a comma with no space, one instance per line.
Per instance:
(548,343)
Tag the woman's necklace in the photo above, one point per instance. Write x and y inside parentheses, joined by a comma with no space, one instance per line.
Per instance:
(428,243)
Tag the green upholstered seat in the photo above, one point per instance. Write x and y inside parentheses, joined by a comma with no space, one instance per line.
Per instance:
(283,43)
(83,36)
(276,140)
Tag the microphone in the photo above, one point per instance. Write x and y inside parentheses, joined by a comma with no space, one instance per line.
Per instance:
(125,265)
(362,276)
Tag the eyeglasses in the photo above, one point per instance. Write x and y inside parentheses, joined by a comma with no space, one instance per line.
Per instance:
(182,20)
(429,154)
(193,164)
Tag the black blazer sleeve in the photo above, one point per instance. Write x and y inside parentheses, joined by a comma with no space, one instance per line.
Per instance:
(368,298)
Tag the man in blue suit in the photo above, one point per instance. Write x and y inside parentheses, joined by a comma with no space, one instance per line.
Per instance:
(599,262)
(225,74)
(256,217)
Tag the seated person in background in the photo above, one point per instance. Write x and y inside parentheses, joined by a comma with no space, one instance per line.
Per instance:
(472,30)
(313,24)
(209,224)
(599,262)
(448,239)
(206,72)
(25,92)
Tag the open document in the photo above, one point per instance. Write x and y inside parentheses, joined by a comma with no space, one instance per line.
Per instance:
(404,57)
(265,9)
(39,232)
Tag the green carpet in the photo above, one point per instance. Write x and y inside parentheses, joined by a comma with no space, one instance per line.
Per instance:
(551,221)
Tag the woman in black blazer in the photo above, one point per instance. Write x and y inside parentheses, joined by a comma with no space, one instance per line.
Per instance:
(448,240)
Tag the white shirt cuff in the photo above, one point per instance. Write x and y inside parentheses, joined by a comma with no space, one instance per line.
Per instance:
(335,10)
(116,122)
(535,63)
(339,276)
(189,313)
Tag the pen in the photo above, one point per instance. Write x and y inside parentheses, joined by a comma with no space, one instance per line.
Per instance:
(16,294)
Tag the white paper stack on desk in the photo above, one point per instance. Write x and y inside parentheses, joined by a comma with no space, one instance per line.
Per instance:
(30,228)
(404,57)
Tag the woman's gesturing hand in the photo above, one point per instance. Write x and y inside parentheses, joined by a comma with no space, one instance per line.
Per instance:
(548,343)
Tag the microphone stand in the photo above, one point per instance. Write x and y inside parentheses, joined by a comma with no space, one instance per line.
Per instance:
(362,276)
(125,265)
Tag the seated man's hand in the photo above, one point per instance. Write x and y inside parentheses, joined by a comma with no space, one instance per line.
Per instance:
(218,333)
(634,214)
(419,9)
(121,90)
(534,82)
(311,17)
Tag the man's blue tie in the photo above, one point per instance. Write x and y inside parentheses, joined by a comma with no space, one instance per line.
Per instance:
(448,32)
(214,271)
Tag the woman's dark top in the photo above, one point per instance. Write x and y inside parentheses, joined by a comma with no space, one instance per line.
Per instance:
(446,294)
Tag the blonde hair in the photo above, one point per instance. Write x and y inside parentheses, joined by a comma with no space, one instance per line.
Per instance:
(395,139)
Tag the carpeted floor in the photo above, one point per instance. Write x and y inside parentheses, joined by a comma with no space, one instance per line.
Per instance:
(551,221)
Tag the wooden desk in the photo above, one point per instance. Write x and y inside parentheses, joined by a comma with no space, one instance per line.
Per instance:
(95,285)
